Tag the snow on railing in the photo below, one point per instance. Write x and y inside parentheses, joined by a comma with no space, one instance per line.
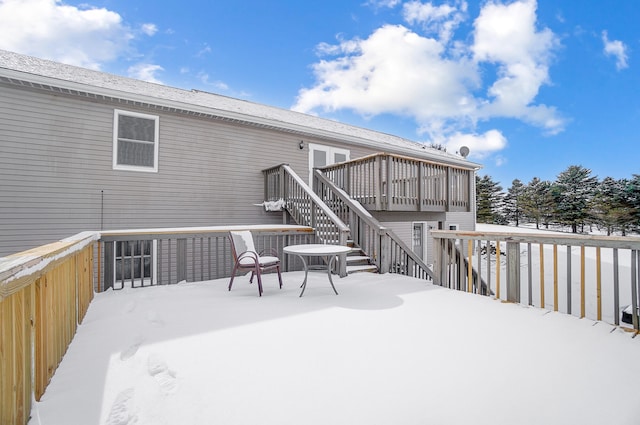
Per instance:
(44,294)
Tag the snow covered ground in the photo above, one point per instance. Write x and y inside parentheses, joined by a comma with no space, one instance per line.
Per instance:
(387,350)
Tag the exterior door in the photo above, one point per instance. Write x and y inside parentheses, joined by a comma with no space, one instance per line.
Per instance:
(320,155)
(418,239)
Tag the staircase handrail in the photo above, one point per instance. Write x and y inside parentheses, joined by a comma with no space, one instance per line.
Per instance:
(356,206)
(282,183)
(380,229)
(342,227)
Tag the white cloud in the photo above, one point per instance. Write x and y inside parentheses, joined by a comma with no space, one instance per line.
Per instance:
(441,20)
(480,145)
(438,81)
(393,71)
(506,35)
(53,30)
(149,29)
(617,49)
(383,3)
(145,72)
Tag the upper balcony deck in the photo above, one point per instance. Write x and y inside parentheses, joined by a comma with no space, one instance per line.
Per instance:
(387,182)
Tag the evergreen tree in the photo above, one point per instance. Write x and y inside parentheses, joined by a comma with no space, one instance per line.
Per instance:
(513,202)
(488,200)
(576,198)
(632,197)
(573,192)
(612,207)
(537,202)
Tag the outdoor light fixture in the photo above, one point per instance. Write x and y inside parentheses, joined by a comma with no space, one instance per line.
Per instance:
(301,144)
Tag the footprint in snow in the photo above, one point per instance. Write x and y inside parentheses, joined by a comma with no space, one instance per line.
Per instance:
(165,377)
(121,412)
(131,350)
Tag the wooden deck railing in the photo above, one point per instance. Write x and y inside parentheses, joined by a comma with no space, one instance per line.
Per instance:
(44,294)
(386,182)
(587,276)
(139,258)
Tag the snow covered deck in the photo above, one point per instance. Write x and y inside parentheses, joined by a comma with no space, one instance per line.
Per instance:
(388,350)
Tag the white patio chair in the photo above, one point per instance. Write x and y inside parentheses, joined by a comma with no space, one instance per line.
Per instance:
(246,257)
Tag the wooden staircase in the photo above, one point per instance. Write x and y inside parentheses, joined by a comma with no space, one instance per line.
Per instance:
(336,217)
(358,261)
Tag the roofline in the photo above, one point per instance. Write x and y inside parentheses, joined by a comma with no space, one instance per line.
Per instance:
(18,77)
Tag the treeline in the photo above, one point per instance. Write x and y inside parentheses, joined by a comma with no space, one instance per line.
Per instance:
(576,199)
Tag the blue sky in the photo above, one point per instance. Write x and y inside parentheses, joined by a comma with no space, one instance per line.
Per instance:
(530,87)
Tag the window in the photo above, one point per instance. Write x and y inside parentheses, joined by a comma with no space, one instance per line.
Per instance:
(135,141)
(135,262)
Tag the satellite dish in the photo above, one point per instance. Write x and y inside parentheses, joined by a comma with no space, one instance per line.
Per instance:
(464,151)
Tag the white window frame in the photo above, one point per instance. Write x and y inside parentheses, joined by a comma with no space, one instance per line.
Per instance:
(453,227)
(330,150)
(116,114)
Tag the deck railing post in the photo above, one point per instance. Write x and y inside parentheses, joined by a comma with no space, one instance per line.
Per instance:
(109,265)
(513,272)
(347,178)
(446,262)
(267,182)
(385,252)
(568,280)
(447,189)
(420,184)
(343,237)
(635,320)
(437,259)
(471,194)
(282,175)
(379,188)
(181,260)
(391,190)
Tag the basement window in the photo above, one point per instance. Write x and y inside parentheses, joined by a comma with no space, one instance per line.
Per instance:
(135,141)
(135,262)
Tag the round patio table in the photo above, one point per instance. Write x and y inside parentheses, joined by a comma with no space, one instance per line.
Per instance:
(316,250)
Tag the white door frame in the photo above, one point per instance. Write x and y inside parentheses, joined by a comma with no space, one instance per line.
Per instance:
(331,152)
(423,238)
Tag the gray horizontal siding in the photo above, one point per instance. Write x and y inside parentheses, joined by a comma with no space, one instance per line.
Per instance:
(56,176)
(465,220)
(404,229)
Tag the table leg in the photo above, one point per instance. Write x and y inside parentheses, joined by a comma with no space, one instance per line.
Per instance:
(306,272)
(329,268)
